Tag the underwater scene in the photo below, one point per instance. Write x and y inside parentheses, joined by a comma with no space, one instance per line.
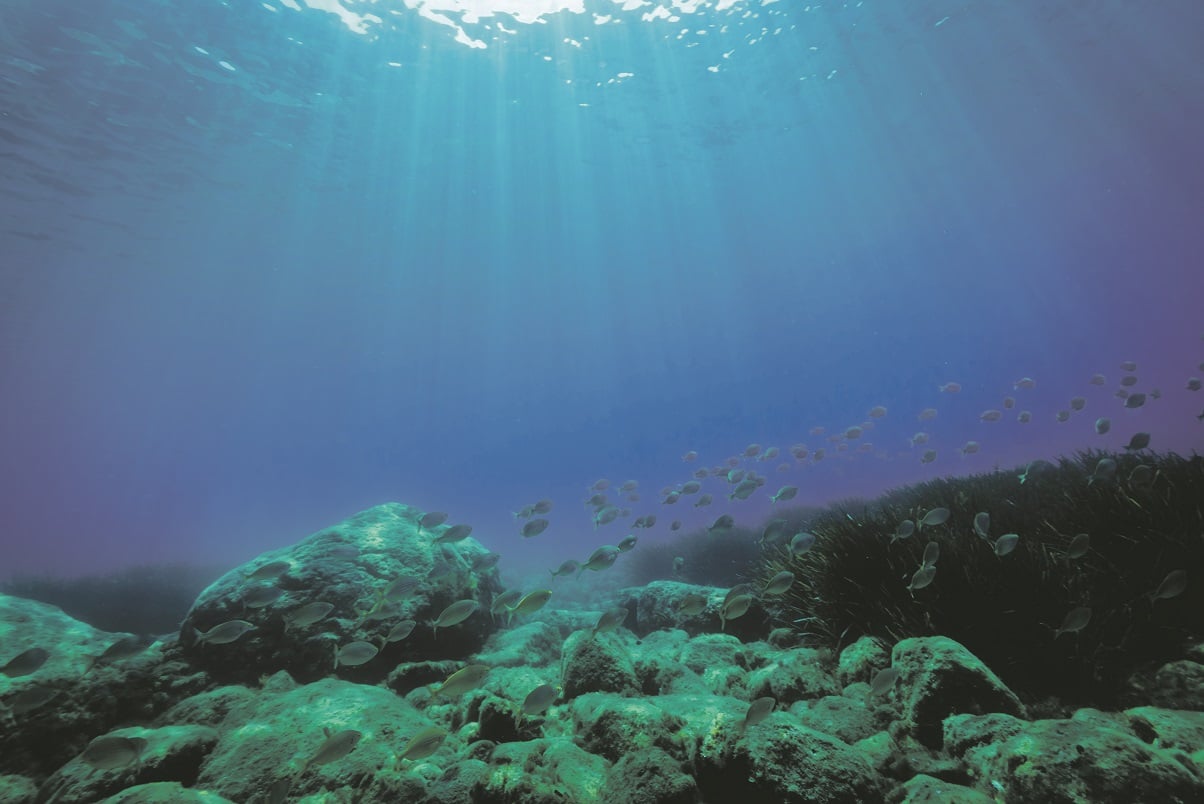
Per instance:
(618,401)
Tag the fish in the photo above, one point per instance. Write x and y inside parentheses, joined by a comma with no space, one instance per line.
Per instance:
(307,615)
(223,634)
(705,499)
(1025,383)
(927,414)
(690,456)
(454,614)
(1079,546)
(758,710)
(596,501)
(1024,417)
(818,455)
(610,620)
(692,604)
(1135,401)
(785,493)
(1098,379)
(353,654)
(534,527)
(1128,381)
(504,600)
(111,752)
(691,487)
(532,602)
(883,681)
(775,531)
(606,515)
(1128,365)
(539,700)
(1006,544)
(336,746)
(1102,426)
(1062,416)
(752,450)
(922,578)
(744,489)
(431,520)
(919,438)
(801,543)
(627,543)
(125,648)
(736,607)
(542,507)
(779,583)
(877,411)
(1139,441)
(770,453)
(482,562)
(454,534)
(261,596)
(601,484)
(423,744)
(1193,384)
(526,512)
(31,698)
(675,525)
(904,531)
(601,559)
(1173,585)
(566,568)
(401,587)
(400,631)
(629,486)
(723,522)
(799,451)
(25,663)
(982,524)
(671,498)
(932,553)
(1105,469)
(269,571)
(1078,403)
(679,564)
(949,388)
(990,415)
(969,448)
(852,433)
(929,456)
(1009,402)
(937,516)
(463,680)
(1074,621)
(1142,476)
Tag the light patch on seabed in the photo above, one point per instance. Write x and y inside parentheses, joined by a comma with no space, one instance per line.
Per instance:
(530,12)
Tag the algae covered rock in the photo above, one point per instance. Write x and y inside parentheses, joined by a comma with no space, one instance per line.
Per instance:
(939,678)
(164,793)
(597,663)
(1091,756)
(534,644)
(792,675)
(648,777)
(542,772)
(859,661)
(612,726)
(925,789)
(375,570)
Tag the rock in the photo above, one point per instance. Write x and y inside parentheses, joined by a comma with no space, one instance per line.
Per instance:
(648,777)
(172,754)
(657,606)
(542,772)
(599,663)
(793,675)
(939,678)
(859,661)
(1089,757)
(327,567)
(164,793)
(458,784)
(87,699)
(273,735)
(17,789)
(535,644)
(923,789)
(780,762)
(846,719)
(1169,729)
(1176,685)
(612,726)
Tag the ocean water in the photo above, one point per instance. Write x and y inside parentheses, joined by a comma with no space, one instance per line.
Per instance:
(266,264)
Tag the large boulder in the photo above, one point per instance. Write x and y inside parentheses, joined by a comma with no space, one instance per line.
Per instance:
(657,606)
(352,566)
(940,677)
(52,711)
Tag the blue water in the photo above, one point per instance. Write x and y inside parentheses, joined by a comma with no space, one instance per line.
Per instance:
(263,265)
